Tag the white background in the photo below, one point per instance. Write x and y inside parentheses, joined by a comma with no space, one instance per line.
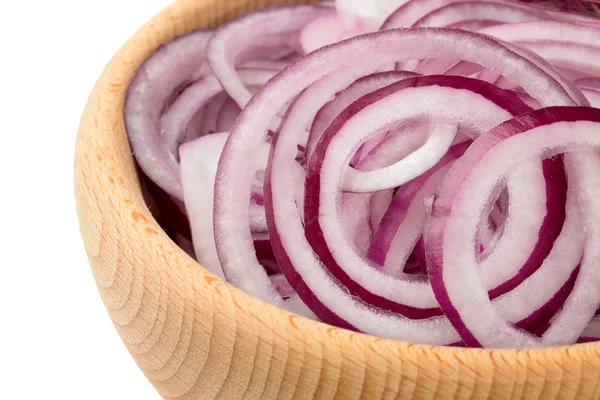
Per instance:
(56,339)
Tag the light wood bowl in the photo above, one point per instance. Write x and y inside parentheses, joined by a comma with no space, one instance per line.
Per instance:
(197,337)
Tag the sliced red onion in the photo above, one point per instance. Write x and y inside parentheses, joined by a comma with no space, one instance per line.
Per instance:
(583,7)
(540,320)
(452,265)
(544,216)
(538,292)
(414,10)
(254,36)
(199,161)
(478,10)
(576,57)
(344,98)
(406,169)
(176,119)
(156,84)
(405,217)
(544,41)
(455,98)
(569,46)
(544,31)
(393,146)
(569,87)
(443,331)
(295,256)
(583,301)
(450,66)
(304,109)
(356,210)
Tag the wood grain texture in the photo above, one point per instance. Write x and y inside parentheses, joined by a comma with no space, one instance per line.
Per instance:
(197,337)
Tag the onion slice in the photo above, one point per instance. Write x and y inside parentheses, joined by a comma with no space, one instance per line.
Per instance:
(406,169)
(264,34)
(477,10)
(344,98)
(451,265)
(295,256)
(374,113)
(199,160)
(156,84)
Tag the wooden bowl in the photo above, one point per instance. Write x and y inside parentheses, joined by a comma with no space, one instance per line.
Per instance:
(197,337)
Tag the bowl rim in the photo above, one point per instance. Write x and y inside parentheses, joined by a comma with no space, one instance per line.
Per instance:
(135,263)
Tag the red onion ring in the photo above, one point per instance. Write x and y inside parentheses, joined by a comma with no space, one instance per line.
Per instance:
(344,98)
(257,35)
(406,215)
(322,227)
(234,245)
(151,91)
(477,10)
(531,135)
(389,197)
